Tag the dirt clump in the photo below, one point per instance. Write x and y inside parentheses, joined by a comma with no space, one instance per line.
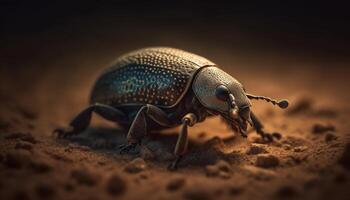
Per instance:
(300,149)
(303,105)
(255,149)
(320,129)
(175,184)
(84,176)
(135,166)
(267,161)
(116,185)
(330,136)
(258,173)
(221,169)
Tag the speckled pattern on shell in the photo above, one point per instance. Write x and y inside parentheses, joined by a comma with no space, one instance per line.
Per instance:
(158,76)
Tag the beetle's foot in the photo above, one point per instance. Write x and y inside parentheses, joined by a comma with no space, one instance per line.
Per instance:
(174,165)
(64,132)
(244,135)
(126,148)
(267,137)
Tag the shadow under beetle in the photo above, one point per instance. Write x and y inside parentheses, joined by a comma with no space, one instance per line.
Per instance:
(160,87)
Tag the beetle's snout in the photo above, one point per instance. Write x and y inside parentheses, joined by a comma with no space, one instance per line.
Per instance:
(238,116)
(244,113)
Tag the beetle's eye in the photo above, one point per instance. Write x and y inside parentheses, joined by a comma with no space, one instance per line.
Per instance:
(222,93)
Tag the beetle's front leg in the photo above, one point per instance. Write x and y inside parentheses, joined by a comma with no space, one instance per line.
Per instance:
(181,145)
(138,128)
(259,128)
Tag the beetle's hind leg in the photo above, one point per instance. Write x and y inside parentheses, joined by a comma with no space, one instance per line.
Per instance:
(82,120)
(138,128)
(258,126)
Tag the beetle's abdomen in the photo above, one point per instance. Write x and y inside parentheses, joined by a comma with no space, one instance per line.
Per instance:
(157,76)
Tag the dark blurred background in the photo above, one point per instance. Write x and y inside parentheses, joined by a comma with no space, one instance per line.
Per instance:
(304,28)
(57,39)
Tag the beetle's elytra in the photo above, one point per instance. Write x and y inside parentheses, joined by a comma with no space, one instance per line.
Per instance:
(162,87)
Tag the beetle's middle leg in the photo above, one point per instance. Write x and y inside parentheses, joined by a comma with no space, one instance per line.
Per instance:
(181,145)
(138,128)
(258,126)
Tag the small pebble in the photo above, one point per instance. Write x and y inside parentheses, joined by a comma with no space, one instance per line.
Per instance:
(319,128)
(84,177)
(254,149)
(221,168)
(267,161)
(258,173)
(175,184)
(224,175)
(211,170)
(296,159)
(300,149)
(330,136)
(224,166)
(277,135)
(287,147)
(116,185)
(303,105)
(24,145)
(135,166)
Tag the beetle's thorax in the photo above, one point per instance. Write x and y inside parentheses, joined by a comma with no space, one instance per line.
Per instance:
(206,82)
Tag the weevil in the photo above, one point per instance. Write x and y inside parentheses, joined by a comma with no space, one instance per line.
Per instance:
(160,87)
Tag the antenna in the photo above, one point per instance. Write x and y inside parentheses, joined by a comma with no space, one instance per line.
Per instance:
(283,103)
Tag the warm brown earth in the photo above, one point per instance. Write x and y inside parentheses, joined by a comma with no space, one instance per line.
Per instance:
(46,79)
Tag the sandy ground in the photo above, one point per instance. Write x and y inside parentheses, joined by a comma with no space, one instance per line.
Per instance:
(46,80)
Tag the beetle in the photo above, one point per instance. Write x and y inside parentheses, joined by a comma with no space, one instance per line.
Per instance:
(160,87)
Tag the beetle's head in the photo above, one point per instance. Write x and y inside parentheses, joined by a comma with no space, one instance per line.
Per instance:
(222,94)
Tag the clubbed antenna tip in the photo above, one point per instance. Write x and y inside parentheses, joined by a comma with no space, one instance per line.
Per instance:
(283,103)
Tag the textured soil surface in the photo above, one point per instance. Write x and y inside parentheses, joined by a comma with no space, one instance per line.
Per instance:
(46,80)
